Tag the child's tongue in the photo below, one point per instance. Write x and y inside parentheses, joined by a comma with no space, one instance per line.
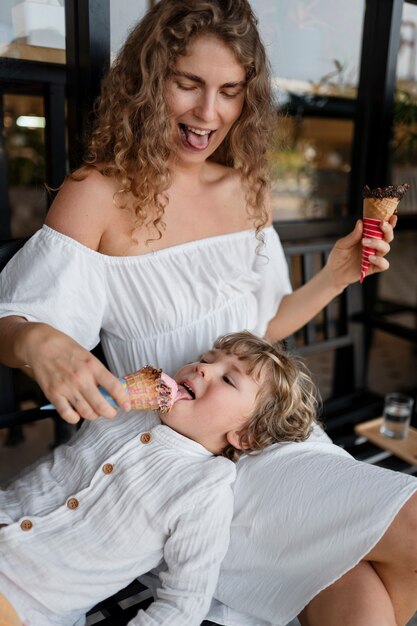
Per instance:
(197,141)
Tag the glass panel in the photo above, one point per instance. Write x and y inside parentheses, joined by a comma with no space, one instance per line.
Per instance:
(400,282)
(25,145)
(404,143)
(33,30)
(315,62)
(314,47)
(310,168)
(123,15)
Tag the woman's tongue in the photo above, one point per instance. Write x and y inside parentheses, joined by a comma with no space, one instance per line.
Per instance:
(200,142)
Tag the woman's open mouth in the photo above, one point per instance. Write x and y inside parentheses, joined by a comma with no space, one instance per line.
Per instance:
(196,138)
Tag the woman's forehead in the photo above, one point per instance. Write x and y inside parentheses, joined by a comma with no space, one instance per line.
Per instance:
(210,52)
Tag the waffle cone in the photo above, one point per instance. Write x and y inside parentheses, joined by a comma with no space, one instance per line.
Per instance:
(147,391)
(379,208)
(379,205)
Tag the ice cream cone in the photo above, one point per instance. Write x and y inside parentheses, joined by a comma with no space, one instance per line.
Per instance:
(150,389)
(379,208)
(378,205)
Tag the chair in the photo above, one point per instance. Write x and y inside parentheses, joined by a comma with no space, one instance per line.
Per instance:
(332,332)
(10,415)
(7,396)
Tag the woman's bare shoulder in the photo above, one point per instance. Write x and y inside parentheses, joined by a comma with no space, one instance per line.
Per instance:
(84,207)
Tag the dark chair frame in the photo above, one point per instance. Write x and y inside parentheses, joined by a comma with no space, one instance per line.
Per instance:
(333,329)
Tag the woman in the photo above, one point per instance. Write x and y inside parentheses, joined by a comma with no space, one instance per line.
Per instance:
(163,242)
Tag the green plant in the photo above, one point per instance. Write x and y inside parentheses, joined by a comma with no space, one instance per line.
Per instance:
(404,142)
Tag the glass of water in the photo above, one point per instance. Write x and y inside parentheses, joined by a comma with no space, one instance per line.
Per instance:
(398,409)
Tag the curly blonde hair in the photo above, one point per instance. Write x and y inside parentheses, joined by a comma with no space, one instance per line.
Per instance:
(131,140)
(287,400)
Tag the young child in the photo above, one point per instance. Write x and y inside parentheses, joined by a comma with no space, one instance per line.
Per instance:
(125,495)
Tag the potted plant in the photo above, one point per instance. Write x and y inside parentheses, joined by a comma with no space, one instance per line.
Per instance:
(404,147)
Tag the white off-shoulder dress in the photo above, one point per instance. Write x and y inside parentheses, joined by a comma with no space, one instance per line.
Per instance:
(305,513)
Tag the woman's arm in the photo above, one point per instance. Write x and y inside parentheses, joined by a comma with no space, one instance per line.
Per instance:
(67,373)
(342,269)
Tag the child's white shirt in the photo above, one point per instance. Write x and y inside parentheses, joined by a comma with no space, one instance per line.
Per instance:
(119,499)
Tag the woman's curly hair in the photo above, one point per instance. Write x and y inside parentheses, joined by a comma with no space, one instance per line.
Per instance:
(131,139)
(287,401)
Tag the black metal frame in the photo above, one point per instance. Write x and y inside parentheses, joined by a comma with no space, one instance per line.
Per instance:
(5,213)
(88,57)
(333,330)
(7,390)
(375,102)
(34,78)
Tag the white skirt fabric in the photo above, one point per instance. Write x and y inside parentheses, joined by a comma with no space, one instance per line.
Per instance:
(305,514)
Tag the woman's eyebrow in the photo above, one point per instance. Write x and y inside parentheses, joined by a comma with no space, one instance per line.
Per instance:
(201,81)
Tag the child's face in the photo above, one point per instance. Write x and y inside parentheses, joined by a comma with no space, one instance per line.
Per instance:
(218,398)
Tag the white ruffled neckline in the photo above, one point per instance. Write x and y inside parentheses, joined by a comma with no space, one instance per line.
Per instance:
(170,251)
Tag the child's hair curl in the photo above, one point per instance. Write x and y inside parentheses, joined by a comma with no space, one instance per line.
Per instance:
(131,140)
(287,400)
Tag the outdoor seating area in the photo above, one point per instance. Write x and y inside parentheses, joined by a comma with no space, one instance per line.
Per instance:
(229,149)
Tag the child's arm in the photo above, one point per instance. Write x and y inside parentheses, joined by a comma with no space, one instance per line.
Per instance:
(193,554)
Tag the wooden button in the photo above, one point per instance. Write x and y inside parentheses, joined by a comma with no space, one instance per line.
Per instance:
(72,503)
(26,524)
(107,468)
(146,438)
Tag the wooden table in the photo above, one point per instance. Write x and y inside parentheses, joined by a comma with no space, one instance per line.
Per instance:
(405,449)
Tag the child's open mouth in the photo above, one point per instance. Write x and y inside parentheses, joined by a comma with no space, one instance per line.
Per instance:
(186,392)
(196,138)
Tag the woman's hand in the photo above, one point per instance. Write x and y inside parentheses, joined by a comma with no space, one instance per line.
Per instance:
(68,374)
(344,262)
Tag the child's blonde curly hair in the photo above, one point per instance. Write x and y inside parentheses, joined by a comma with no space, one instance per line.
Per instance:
(287,400)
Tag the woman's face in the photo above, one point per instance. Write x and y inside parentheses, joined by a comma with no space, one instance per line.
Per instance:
(205,97)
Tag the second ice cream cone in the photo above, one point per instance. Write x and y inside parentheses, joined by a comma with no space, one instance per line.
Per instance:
(378,205)
(371,230)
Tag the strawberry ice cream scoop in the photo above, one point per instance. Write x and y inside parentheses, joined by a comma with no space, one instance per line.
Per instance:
(172,387)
